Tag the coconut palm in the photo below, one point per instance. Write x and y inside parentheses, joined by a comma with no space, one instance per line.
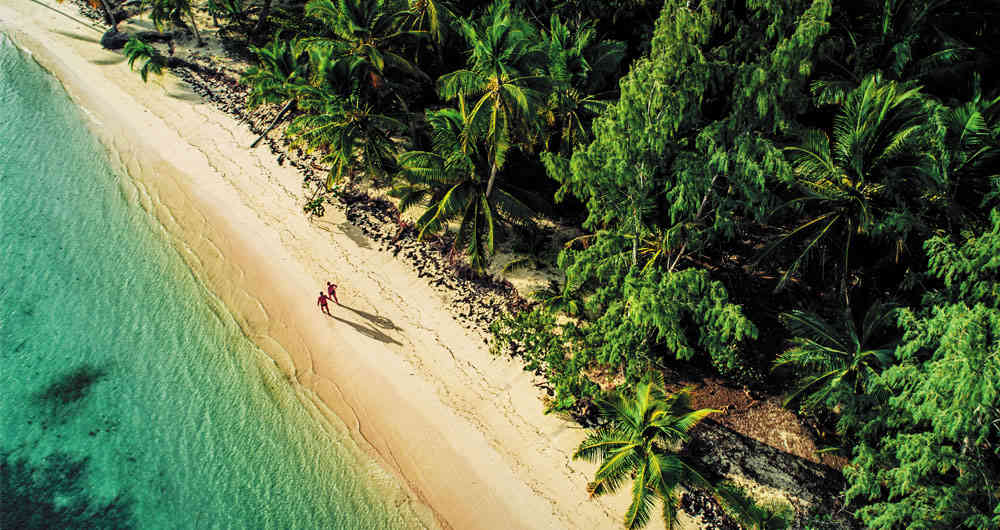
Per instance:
(163,11)
(502,73)
(579,69)
(639,442)
(849,182)
(279,78)
(368,30)
(136,49)
(431,17)
(837,358)
(449,180)
(105,9)
(349,130)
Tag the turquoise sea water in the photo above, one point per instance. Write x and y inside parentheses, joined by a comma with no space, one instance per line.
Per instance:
(128,395)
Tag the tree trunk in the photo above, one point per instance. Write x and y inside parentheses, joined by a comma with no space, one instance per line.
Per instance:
(493,176)
(265,11)
(109,15)
(194,26)
(124,13)
(635,249)
(273,123)
(409,117)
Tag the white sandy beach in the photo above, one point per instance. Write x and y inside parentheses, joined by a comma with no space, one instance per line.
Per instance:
(464,430)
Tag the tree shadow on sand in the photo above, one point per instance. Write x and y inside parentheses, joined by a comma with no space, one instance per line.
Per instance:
(369,331)
(378,320)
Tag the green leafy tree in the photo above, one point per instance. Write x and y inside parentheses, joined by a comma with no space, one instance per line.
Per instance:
(932,459)
(449,179)
(639,442)
(504,51)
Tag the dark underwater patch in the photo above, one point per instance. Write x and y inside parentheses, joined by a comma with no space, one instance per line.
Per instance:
(54,495)
(72,386)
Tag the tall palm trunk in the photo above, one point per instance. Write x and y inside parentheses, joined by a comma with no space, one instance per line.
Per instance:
(274,123)
(409,117)
(265,11)
(493,176)
(194,26)
(110,15)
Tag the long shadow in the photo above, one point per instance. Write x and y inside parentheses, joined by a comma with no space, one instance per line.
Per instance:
(369,331)
(78,36)
(190,97)
(725,451)
(378,320)
(108,62)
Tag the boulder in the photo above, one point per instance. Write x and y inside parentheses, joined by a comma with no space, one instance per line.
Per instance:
(114,39)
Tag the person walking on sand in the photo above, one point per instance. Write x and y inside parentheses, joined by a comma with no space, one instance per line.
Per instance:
(332,289)
(322,303)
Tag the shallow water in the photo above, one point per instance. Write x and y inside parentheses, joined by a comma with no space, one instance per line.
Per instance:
(128,395)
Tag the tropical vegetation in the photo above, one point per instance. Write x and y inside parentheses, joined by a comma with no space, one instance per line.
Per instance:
(801,196)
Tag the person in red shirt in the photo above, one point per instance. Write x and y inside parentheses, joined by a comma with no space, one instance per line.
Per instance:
(322,303)
(332,290)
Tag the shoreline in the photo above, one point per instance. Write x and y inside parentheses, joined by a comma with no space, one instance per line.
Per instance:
(464,430)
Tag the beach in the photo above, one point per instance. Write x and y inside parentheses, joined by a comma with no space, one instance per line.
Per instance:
(465,431)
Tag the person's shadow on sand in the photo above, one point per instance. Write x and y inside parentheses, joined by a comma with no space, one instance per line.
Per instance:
(369,331)
(378,320)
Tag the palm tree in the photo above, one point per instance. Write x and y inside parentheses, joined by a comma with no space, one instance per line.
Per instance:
(501,73)
(367,33)
(162,11)
(640,441)
(449,179)
(102,5)
(431,17)
(279,78)
(963,165)
(579,68)
(136,49)
(367,30)
(867,166)
(348,129)
(837,359)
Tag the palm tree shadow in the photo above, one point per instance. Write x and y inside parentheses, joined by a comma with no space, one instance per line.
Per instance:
(108,62)
(369,331)
(77,36)
(378,320)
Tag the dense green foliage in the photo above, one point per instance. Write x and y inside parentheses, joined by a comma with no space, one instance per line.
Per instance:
(799,195)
